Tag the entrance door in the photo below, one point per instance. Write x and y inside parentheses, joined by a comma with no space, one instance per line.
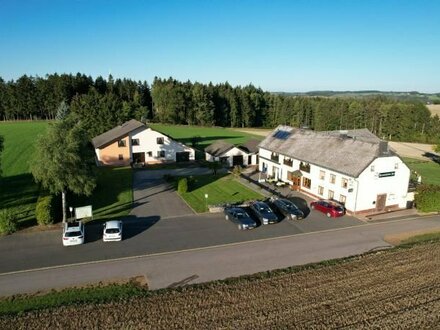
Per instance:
(381,201)
(250,160)
(237,160)
(296,182)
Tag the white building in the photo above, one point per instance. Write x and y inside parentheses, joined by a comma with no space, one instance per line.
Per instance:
(354,167)
(134,142)
(231,155)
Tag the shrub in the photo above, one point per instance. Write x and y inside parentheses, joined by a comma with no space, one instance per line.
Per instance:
(427,198)
(8,222)
(182,186)
(45,210)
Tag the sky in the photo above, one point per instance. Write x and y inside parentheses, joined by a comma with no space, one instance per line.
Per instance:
(290,46)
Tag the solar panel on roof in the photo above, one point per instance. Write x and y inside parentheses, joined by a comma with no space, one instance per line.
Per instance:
(281,135)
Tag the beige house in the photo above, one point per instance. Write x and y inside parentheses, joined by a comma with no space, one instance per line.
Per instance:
(134,142)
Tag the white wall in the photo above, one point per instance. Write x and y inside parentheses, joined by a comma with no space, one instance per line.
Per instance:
(148,143)
(230,153)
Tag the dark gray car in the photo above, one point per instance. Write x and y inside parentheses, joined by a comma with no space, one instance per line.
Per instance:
(288,209)
(263,212)
(240,217)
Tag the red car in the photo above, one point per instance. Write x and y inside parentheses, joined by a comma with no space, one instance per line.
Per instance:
(331,208)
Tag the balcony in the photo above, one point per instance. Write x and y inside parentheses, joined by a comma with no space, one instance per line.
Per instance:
(275,157)
(305,167)
(288,162)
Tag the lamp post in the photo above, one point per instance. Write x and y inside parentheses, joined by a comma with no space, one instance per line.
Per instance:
(71,210)
(206,201)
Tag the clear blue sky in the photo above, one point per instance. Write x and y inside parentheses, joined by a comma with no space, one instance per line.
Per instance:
(296,45)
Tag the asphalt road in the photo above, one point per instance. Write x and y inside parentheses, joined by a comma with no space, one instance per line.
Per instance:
(215,262)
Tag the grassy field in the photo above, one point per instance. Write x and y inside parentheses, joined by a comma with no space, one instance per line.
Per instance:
(429,170)
(208,134)
(220,189)
(434,108)
(381,290)
(18,189)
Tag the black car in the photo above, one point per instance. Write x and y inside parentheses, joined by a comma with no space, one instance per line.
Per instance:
(288,209)
(239,216)
(263,212)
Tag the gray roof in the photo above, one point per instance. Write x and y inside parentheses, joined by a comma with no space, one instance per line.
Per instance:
(348,152)
(218,148)
(116,133)
(251,146)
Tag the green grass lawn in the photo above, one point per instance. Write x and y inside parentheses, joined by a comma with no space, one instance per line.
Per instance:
(17,187)
(220,189)
(113,195)
(429,170)
(208,134)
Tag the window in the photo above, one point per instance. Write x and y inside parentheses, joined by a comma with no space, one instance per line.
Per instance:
(331,194)
(288,161)
(344,183)
(321,175)
(161,154)
(396,166)
(332,178)
(121,143)
(307,183)
(372,168)
(121,157)
(320,190)
(304,167)
(275,157)
(159,140)
(150,154)
(342,199)
(134,142)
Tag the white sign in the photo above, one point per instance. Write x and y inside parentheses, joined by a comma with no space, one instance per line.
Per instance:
(83,212)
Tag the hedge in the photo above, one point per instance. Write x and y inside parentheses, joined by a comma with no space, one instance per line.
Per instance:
(427,198)
(45,211)
(8,222)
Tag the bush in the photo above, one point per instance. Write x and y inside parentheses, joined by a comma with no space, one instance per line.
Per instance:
(45,211)
(427,198)
(8,222)
(182,186)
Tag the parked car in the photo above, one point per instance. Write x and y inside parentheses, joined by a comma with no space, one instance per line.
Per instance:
(112,231)
(263,212)
(330,208)
(288,209)
(240,217)
(73,233)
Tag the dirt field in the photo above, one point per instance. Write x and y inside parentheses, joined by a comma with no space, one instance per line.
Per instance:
(385,290)
(434,108)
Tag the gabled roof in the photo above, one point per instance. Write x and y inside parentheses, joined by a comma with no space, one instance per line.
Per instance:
(251,146)
(348,152)
(218,148)
(116,133)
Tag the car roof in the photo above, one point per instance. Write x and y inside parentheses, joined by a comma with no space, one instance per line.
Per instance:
(112,224)
(72,226)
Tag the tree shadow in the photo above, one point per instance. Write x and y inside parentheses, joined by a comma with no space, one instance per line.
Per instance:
(435,158)
(205,141)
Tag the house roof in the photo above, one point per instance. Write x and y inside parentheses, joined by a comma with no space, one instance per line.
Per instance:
(348,152)
(116,133)
(251,146)
(218,148)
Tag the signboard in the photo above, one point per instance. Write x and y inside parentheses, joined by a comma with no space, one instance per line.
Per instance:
(83,212)
(386,174)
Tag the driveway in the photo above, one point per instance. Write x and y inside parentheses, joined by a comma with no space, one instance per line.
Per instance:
(153,196)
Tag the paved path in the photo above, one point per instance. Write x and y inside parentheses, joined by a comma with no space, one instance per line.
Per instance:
(218,262)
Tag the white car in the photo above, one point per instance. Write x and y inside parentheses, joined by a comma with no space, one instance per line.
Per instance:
(73,233)
(112,231)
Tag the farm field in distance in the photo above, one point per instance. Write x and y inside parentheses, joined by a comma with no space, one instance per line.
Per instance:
(383,290)
(434,108)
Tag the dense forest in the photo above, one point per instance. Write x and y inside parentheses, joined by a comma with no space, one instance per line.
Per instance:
(103,103)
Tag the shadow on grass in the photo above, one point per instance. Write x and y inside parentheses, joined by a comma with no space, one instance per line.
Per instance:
(205,141)
(131,227)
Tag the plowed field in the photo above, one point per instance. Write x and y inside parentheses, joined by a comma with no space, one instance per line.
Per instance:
(386,290)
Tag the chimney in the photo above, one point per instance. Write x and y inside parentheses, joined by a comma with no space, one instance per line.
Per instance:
(383,148)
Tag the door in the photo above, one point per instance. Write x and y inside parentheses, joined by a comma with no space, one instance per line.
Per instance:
(237,160)
(138,157)
(381,201)
(182,156)
(249,160)
(296,182)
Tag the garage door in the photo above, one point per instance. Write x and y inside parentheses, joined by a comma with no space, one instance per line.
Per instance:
(237,160)
(182,156)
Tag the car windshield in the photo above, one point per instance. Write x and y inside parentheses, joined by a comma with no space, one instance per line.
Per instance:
(339,208)
(73,234)
(112,231)
(290,206)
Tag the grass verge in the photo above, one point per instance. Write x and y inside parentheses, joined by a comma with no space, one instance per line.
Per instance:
(219,188)
(429,170)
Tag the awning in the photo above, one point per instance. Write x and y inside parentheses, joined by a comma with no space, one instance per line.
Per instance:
(297,173)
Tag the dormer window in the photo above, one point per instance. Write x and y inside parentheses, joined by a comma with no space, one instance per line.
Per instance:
(121,143)
(160,140)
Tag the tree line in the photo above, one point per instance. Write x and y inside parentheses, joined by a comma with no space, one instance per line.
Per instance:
(103,103)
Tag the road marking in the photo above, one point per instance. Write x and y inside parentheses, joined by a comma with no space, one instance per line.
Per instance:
(151,255)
